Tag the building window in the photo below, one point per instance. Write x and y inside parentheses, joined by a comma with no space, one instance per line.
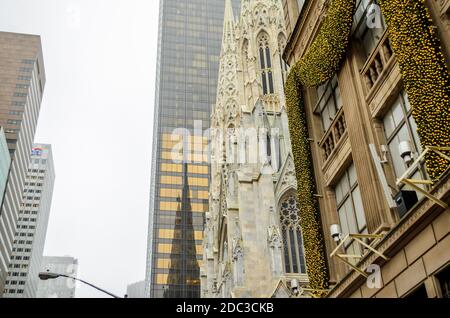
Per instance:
(14,122)
(418,293)
(369,24)
(399,126)
(294,256)
(17,104)
(330,102)
(26,70)
(265,64)
(444,282)
(30,62)
(350,207)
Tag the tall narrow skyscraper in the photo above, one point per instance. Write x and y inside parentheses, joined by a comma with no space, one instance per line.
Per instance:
(29,240)
(190,34)
(22,80)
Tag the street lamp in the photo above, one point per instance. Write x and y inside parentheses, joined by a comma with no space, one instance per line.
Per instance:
(48,275)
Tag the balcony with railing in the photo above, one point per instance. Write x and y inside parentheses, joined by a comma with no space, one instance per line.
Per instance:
(333,136)
(378,65)
(445,6)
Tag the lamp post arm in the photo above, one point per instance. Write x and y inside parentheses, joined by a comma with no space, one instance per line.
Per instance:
(89,284)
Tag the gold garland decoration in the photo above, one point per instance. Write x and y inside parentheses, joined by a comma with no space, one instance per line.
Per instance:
(324,56)
(425,74)
(313,240)
(319,64)
(426,79)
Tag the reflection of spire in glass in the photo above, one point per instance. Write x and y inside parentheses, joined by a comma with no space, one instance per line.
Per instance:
(190,37)
(183,260)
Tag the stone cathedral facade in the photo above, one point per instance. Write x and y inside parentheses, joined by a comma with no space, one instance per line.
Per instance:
(252,241)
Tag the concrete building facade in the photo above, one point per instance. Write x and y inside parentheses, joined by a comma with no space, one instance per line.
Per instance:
(357,122)
(22,81)
(60,287)
(253,244)
(137,290)
(29,240)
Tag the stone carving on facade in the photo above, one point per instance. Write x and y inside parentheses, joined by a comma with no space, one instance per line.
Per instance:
(287,177)
(274,237)
(238,264)
(275,243)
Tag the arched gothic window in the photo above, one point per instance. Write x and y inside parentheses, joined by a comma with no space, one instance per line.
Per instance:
(265,64)
(294,256)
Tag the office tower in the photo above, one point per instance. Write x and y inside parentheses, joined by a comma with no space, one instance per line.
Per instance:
(190,33)
(366,128)
(29,240)
(253,239)
(137,290)
(22,80)
(5,164)
(60,287)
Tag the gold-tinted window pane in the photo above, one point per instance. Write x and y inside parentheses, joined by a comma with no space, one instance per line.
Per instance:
(198,169)
(170,234)
(163,263)
(166,233)
(170,193)
(199,182)
(169,206)
(199,207)
(203,195)
(171,180)
(162,279)
(198,235)
(164,248)
(168,155)
(168,167)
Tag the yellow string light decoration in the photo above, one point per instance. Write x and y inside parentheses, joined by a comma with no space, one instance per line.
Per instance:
(319,65)
(426,79)
(425,74)
(324,56)
(313,240)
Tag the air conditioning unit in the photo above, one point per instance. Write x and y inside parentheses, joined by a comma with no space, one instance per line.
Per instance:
(405,200)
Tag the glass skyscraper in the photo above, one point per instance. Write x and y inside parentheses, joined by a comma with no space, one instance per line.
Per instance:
(190,35)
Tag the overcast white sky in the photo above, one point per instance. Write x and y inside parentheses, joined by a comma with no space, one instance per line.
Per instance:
(97,112)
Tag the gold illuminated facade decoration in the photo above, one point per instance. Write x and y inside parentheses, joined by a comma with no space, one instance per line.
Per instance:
(390,59)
